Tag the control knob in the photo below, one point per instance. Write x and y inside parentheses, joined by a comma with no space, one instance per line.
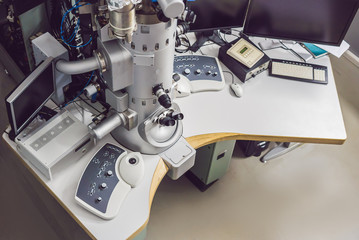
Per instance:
(186,71)
(109,173)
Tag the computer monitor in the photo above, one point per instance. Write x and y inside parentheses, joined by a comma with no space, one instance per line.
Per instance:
(25,101)
(215,15)
(315,21)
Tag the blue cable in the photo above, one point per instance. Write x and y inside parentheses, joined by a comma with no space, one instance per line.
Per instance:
(73,35)
(75,6)
(81,90)
(67,12)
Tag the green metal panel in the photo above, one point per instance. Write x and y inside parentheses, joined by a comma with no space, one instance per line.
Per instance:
(203,162)
(212,161)
(32,22)
(221,158)
(141,235)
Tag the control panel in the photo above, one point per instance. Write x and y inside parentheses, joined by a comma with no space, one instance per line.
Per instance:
(102,188)
(204,73)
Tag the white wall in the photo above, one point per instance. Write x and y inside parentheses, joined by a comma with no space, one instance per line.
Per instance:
(352,36)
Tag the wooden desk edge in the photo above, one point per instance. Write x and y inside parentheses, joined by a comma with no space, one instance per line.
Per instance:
(205,139)
(158,175)
(160,171)
(196,142)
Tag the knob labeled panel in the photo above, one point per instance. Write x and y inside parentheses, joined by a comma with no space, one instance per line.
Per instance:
(101,190)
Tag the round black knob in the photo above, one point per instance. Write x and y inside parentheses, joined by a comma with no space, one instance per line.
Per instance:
(132,161)
(176,77)
(198,71)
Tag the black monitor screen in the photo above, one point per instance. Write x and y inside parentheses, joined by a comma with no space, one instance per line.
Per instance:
(317,21)
(28,98)
(217,14)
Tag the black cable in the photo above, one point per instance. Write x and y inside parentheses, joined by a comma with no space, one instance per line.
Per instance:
(231,75)
(89,104)
(184,39)
(84,109)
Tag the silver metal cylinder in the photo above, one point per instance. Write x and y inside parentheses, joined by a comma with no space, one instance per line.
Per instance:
(77,67)
(106,126)
(123,22)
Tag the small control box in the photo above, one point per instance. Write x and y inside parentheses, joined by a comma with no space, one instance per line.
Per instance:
(243,72)
(245,52)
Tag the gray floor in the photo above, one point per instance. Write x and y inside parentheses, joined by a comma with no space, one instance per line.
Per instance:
(310,193)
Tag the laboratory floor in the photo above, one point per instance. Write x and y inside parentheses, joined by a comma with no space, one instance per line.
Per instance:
(311,193)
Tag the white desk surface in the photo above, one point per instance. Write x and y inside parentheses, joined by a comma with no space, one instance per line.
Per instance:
(134,212)
(270,108)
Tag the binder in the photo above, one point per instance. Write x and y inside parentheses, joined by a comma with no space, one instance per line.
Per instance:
(314,50)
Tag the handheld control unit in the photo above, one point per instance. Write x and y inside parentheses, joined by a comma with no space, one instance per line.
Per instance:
(108,179)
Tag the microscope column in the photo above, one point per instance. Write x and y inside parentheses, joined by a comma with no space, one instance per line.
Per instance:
(152,49)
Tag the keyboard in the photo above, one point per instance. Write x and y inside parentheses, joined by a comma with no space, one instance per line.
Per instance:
(299,71)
